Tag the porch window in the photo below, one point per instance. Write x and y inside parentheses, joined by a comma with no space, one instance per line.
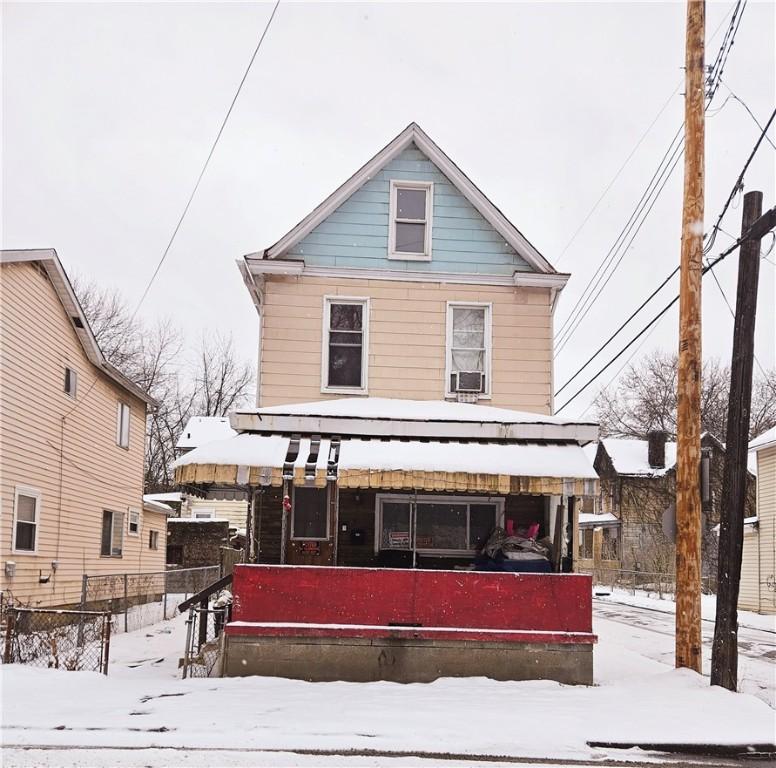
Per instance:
(310,514)
(437,525)
(26,513)
(345,345)
(112,543)
(468,348)
(410,220)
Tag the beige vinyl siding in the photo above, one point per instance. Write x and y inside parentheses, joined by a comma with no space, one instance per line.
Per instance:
(766,511)
(90,474)
(749,588)
(236,512)
(407,336)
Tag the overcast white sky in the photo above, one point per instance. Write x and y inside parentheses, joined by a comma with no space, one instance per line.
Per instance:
(109,111)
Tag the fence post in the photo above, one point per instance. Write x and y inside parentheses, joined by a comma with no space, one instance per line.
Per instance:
(633,582)
(9,630)
(126,606)
(84,588)
(187,650)
(107,619)
(164,598)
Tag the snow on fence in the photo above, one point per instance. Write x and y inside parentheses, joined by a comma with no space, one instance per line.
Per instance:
(57,639)
(651,583)
(139,599)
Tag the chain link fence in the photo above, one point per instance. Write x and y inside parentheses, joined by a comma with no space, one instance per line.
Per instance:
(653,584)
(57,639)
(140,599)
(203,629)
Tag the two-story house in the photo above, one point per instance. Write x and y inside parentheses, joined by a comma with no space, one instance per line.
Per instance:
(72,445)
(635,506)
(404,378)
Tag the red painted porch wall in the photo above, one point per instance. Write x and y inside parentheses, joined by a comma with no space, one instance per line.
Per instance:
(379,596)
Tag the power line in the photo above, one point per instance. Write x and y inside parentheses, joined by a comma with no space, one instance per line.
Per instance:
(207,161)
(734,9)
(587,300)
(746,107)
(717,227)
(655,319)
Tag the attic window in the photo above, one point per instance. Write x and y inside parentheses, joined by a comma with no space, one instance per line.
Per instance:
(410,214)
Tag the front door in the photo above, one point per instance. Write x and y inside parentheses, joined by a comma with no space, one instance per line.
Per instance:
(311,526)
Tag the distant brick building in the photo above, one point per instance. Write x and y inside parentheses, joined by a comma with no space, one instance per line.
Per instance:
(638,485)
(195,543)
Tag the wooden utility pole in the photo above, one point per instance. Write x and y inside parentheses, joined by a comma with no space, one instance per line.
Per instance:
(724,655)
(688,499)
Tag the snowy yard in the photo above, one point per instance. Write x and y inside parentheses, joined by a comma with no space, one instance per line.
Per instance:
(144,714)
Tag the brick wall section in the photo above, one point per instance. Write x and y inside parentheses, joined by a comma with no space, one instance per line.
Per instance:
(201,542)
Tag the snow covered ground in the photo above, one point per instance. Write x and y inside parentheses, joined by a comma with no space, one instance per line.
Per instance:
(144,714)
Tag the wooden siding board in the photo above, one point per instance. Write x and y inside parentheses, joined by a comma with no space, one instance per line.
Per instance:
(356,234)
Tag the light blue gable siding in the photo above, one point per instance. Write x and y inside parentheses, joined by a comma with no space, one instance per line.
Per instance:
(356,234)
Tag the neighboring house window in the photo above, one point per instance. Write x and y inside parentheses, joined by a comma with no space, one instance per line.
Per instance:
(26,516)
(71,382)
(468,348)
(153,539)
(441,526)
(112,534)
(310,514)
(411,207)
(204,513)
(345,344)
(133,523)
(122,425)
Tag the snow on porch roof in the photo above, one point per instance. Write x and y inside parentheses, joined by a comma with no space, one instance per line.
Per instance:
(396,464)
(530,460)
(391,418)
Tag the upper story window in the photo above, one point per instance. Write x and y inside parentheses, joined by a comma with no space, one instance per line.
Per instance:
(411,206)
(133,523)
(468,349)
(26,512)
(122,425)
(71,382)
(345,345)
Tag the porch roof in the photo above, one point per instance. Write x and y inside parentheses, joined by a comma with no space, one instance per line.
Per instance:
(253,459)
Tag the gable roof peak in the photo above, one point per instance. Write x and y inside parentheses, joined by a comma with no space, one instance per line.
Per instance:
(413,133)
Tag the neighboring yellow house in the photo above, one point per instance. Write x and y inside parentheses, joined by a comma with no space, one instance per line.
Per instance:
(757,591)
(72,445)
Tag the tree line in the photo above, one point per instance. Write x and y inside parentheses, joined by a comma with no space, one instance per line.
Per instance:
(207,381)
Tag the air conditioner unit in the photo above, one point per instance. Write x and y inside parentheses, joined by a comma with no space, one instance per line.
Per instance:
(468,381)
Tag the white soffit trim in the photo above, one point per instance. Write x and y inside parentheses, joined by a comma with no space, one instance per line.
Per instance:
(48,259)
(256,266)
(414,133)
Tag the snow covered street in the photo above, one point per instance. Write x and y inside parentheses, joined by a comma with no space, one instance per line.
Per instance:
(144,714)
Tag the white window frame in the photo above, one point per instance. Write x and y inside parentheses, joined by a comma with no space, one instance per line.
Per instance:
(431,499)
(203,513)
(130,514)
(328,516)
(122,436)
(153,539)
(395,185)
(365,302)
(488,366)
(25,490)
(73,391)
